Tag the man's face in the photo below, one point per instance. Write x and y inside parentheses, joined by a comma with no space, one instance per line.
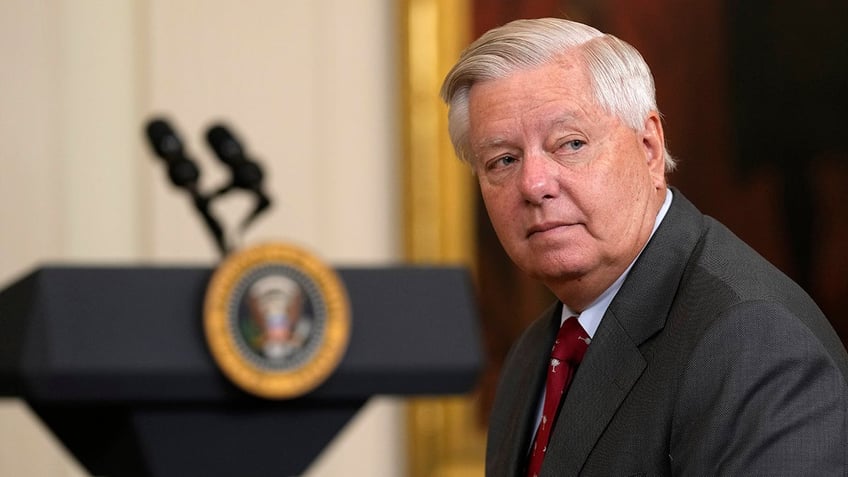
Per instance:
(571,191)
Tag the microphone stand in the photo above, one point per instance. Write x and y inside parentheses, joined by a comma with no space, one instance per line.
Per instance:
(201,203)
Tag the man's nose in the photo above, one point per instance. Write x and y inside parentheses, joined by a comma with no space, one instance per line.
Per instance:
(538,178)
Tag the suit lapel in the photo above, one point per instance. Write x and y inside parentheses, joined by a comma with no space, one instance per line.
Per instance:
(611,367)
(614,362)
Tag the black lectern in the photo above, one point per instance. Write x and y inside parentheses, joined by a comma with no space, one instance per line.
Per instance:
(115,362)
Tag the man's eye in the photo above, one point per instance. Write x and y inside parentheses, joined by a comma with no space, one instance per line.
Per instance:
(574,144)
(502,162)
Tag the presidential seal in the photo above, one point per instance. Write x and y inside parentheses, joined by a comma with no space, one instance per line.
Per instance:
(277,320)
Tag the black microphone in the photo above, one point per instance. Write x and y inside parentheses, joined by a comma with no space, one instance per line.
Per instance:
(246,173)
(168,146)
(184,173)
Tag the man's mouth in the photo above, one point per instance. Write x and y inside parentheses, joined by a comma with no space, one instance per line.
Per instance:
(545,227)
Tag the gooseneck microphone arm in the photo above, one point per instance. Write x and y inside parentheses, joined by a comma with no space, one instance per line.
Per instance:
(184,174)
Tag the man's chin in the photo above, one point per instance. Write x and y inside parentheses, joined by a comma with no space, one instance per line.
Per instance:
(555,272)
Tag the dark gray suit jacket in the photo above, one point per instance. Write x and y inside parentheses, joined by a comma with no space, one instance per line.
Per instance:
(708,361)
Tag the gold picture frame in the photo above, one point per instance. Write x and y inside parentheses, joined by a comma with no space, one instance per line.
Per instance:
(445,439)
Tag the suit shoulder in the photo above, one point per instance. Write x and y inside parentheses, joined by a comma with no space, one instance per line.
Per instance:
(728,271)
(727,280)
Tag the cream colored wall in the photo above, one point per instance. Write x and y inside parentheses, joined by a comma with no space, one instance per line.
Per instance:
(309,86)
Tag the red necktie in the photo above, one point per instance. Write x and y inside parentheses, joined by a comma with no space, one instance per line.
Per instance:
(570,346)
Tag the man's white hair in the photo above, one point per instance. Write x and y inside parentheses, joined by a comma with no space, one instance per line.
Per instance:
(622,82)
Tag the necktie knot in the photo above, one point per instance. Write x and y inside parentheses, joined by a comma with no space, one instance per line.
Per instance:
(571,342)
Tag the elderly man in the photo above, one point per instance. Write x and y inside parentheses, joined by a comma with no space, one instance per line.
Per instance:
(674,349)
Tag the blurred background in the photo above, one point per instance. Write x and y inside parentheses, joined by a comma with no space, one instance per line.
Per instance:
(338,100)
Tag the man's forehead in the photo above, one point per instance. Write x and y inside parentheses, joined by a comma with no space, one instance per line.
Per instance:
(564,116)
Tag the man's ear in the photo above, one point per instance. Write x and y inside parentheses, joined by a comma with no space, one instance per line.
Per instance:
(653,143)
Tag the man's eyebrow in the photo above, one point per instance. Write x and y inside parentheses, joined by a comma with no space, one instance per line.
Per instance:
(491,142)
(565,118)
